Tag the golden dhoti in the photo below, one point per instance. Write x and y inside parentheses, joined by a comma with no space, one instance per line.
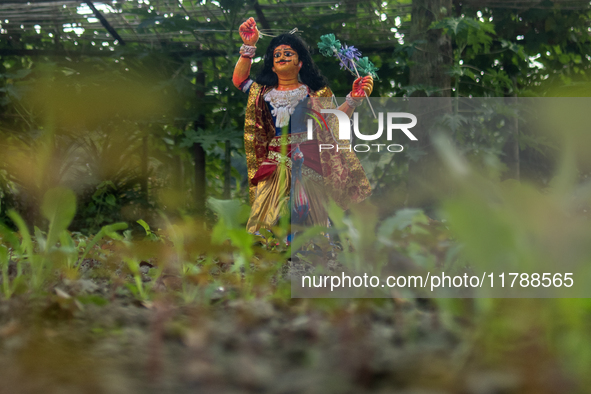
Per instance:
(272,197)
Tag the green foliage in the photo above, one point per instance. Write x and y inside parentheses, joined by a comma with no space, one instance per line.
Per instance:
(137,287)
(81,122)
(489,225)
(4,260)
(59,207)
(231,214)
(209,139)
(109,230)
(55,248)
(149,233)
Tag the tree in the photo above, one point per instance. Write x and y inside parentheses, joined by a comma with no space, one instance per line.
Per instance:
(429,72)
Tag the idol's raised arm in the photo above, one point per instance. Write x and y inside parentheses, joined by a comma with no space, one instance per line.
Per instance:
(250,35)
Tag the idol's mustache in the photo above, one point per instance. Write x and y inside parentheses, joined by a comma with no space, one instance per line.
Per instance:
(283,61)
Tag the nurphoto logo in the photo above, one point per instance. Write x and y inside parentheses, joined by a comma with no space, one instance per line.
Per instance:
(345,130)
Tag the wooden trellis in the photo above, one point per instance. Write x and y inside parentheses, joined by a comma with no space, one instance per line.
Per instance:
(105,22)
(98,27)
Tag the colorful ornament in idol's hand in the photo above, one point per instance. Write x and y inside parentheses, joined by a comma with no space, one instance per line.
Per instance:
(329,45)
(365,66)
(349,56)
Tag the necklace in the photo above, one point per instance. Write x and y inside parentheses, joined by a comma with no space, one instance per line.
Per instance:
(284,102)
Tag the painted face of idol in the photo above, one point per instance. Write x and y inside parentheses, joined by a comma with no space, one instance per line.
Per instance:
(286,61)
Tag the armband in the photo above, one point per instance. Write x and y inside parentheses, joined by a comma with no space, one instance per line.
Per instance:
(247,51)
(354,101)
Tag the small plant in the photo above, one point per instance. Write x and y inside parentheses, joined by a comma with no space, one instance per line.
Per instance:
(7,289)
(152,236)
(137,288)
(47,250)
(109,230)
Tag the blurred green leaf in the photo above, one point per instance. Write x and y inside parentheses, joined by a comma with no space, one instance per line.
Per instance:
(59,207)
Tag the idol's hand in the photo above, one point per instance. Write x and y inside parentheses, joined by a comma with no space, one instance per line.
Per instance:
(249,32)
(362,84)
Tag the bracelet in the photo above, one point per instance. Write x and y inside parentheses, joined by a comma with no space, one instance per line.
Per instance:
(354,101)
(247,51)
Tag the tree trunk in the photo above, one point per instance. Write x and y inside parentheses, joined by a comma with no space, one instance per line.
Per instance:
(261,19)
(511,148)
(227,170)
(198,152)
(144,165)
(351,6)
(431,61)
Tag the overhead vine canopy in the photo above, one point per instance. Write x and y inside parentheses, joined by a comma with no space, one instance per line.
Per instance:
(101,26)
(95,27)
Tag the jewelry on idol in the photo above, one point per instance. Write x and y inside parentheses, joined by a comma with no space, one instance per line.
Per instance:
(354,101)
(284,102)
(247,51)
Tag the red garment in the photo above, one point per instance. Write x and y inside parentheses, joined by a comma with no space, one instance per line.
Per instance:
(311,159)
